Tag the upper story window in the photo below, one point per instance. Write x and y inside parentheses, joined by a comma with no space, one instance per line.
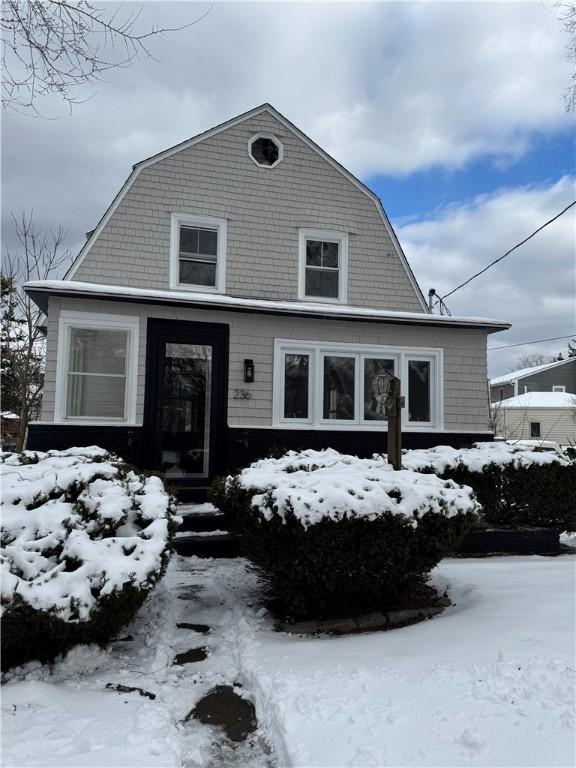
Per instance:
(558,388)
(198,253)
(265,150)
(323,265)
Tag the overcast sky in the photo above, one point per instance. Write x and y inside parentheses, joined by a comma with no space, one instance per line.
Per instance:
(452,112)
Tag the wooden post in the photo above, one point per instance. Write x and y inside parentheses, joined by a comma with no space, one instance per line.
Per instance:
(394,405)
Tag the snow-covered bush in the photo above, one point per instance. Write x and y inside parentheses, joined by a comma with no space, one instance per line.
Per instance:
(84,539)
(335,535)
(515,485)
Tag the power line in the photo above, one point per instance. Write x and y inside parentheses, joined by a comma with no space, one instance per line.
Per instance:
(536,341)
(562,212)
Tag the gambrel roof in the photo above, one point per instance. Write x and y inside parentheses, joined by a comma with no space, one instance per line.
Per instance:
(138,167)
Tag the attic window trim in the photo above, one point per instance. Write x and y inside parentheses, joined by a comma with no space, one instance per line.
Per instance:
(330,236)
(276,141)
(179,220)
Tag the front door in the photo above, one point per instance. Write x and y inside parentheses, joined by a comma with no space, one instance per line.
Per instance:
(186,385)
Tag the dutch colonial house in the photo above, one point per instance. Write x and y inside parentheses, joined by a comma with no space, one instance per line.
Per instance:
(245,292)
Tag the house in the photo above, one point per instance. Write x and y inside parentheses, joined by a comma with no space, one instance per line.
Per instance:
(537,416)
(246,293)
(559,376)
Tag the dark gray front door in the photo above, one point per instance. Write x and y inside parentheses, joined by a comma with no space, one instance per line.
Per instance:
(186,388)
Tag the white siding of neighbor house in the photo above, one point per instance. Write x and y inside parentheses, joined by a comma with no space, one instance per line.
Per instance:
(264,209)
(558,424)
(252,336)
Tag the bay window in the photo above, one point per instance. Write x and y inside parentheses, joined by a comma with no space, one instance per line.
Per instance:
(327,385)
(96,363)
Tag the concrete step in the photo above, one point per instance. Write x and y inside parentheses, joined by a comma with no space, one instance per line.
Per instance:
(202,521)
(211,545)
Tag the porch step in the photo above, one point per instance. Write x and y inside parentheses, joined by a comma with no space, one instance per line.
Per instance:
(201,522)
(207,545)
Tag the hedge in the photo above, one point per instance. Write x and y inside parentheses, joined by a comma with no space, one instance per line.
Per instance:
(85,538)
(325,548)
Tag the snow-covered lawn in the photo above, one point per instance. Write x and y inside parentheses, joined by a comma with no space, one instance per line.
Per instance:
(488,683)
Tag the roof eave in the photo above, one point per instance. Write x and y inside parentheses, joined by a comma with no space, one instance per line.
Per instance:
(40,293)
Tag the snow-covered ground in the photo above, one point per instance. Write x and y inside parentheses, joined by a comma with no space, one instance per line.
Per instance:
(488,683)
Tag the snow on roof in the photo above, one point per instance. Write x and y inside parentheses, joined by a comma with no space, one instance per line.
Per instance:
(540,400)
(520,373)
(221,301)
(9,415)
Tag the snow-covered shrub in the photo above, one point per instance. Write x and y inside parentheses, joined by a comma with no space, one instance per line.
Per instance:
(515,485)
(84,539)
(335,535)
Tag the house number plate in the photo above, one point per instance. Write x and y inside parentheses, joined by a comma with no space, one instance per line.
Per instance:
(241,394)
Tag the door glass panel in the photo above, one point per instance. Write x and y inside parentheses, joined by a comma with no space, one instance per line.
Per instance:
(185,410)
(376,372)
(419,390)
(339,387)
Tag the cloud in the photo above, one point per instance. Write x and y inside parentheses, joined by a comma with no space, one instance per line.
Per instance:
(533,288)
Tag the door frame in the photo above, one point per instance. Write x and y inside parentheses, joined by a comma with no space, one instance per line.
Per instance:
(216,335)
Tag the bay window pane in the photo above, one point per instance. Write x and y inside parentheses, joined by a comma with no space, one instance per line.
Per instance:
(376,373)
(339,387)
(296,386)
(197,273)
(94,396)
(419,390)
(322,283)
(97,351)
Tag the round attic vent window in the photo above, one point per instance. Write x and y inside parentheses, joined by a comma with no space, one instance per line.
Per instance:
(265,150)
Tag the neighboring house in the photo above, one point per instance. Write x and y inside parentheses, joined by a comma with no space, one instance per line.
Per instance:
(9,430)
(537,416)
(559,376)
(244,292)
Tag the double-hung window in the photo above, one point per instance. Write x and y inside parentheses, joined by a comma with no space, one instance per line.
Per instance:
(198,253)
(331,385)
(96,368)
(323,262)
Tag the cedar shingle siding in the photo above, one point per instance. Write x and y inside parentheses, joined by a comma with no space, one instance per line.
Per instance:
(265,208)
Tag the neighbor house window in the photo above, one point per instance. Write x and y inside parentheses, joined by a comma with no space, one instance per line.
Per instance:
(323,265)
(198,253)
(96,367)
(558,388)
(327,385)
(534,429)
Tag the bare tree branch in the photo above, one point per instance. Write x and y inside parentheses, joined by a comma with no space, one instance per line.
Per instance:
(39,256)
(55,46)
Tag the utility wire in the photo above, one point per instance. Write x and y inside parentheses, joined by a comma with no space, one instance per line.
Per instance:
(562,212)
(536,341)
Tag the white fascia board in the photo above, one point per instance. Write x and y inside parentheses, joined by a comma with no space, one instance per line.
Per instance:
(213,132)
(223,302)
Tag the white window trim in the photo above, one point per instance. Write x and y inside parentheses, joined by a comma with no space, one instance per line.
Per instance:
(329,236)
(322,353)
(97,321)
(558,388)
(187,219)
(318,349)
(276,141)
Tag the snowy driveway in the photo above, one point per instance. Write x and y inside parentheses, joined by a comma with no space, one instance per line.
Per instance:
(488,683)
